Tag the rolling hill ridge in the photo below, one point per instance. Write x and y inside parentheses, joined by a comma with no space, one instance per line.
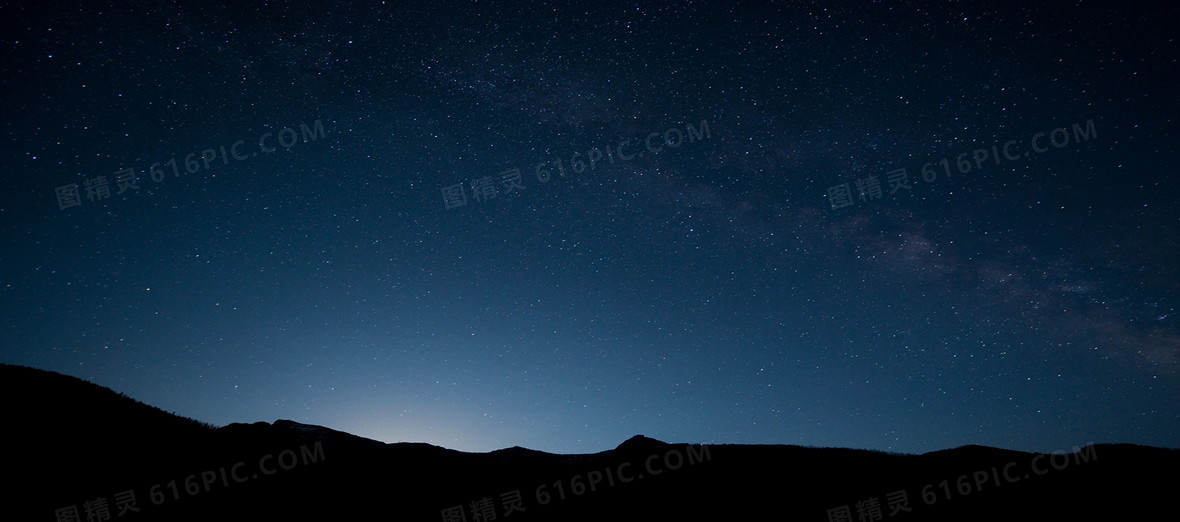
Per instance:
(84,451)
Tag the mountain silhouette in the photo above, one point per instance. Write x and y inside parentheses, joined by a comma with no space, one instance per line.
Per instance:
(80,450)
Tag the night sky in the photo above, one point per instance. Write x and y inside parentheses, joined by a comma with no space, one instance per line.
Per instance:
(888,225)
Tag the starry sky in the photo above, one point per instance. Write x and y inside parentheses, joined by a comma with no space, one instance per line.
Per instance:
(903,226)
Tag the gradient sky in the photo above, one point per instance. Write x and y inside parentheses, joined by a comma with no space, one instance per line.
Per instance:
(718,291)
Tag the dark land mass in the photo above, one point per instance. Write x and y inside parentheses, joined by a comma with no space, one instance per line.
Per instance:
(73,445)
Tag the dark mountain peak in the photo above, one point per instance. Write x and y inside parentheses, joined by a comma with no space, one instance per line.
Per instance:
(974,451)
(517,450)
(310,430)
(295,433)
(516,454)
(288,427)
(641,443)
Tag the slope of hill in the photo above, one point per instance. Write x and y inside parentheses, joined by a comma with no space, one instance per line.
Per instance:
(84,451)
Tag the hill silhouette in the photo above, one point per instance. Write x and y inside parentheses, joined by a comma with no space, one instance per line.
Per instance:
(78,448)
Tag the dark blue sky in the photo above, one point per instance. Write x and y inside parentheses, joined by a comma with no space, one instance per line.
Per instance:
(716,289)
